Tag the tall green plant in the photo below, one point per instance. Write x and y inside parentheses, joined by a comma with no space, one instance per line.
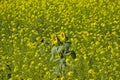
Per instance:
(61,47)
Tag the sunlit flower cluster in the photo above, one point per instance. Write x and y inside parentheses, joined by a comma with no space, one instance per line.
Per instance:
(27,26)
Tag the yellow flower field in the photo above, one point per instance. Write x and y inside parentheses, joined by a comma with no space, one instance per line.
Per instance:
(92,26)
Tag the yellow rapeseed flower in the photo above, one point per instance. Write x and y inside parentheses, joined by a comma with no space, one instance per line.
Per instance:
(24,66)
(38,38)
(29,79)
(85,56)
(70,73)
(45,68)
(16,69)
(62,78)
(10,79)
(110,78)
(36,54)
(32,62)
(91,71)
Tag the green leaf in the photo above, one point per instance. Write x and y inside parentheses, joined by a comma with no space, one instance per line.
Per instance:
(53,52)
(68,53)
(67,46)
(73,55)
(60,49)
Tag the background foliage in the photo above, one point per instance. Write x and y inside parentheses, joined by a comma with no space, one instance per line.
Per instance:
(93,27)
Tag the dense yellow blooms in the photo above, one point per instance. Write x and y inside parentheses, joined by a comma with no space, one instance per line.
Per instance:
(93,27)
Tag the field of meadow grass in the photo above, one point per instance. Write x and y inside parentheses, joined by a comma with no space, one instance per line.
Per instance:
(92,27)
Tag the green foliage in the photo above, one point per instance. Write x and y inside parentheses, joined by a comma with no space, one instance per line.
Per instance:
(62,50)
(92,27)
(73,55)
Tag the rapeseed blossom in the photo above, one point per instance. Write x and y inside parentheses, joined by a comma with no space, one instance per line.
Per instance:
(93,27)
